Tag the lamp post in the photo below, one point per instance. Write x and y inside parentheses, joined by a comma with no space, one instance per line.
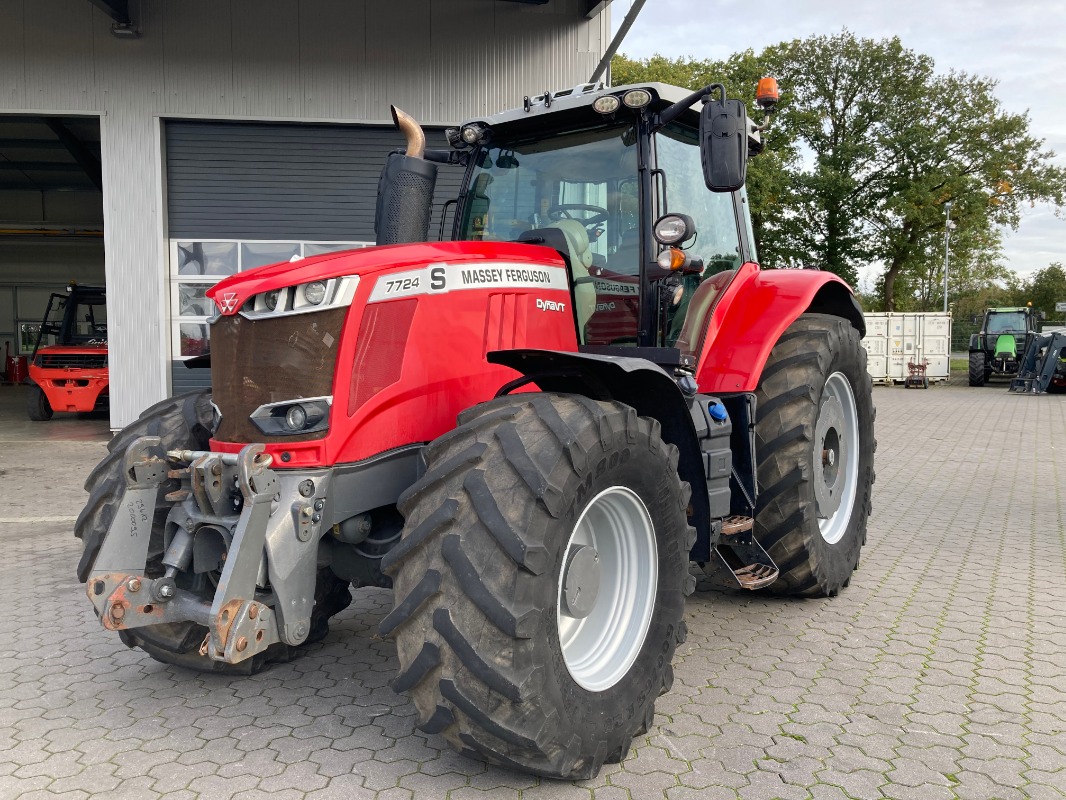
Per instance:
(947,238)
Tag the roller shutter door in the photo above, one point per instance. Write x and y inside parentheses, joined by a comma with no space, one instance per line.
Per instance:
(269,181)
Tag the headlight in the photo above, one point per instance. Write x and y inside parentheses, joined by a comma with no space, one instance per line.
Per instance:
(674,229)
(315,292)
(296,417)
(301,299)
(291,417)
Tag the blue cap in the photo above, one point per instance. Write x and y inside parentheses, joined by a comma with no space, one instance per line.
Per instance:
(717,412)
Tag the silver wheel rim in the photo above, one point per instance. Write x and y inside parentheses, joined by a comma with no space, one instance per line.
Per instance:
(602,635)
(836,458)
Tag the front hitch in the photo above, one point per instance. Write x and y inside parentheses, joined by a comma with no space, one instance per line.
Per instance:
(267,559)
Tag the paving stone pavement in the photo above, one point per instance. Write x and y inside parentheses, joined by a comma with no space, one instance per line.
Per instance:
(939,673)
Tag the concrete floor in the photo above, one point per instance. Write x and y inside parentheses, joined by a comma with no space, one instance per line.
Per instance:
(939,673)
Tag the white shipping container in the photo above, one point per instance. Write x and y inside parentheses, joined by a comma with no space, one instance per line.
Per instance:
(896,340)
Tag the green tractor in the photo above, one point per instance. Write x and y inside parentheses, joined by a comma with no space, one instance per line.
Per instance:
(997,348)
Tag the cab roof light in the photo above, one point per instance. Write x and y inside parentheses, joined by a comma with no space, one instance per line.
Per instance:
(474,134)
(637,98)
(607,104)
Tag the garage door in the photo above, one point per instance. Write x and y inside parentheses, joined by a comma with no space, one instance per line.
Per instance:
(240,195)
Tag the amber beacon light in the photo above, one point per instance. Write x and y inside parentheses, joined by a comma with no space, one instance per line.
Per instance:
(767,93)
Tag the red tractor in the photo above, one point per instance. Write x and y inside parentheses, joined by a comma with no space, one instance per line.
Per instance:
(70,375)
(528,431)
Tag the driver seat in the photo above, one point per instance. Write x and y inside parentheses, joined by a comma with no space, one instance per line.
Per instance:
(577,243)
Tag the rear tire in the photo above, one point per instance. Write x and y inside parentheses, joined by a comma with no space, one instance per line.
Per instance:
(37,405)
(184,422)
(491,651)
(978,371)
(814,450)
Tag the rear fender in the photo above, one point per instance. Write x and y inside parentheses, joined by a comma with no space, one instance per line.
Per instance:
(754,312)
(638,383)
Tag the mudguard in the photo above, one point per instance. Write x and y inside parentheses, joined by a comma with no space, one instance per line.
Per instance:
(638,383)
(753,312)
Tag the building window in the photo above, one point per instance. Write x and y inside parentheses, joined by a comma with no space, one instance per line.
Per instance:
(196,266)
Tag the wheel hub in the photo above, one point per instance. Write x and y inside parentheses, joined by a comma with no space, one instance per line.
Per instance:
(581,583)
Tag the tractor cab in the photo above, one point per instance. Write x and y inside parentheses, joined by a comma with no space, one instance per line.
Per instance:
(615,181)
(639,190)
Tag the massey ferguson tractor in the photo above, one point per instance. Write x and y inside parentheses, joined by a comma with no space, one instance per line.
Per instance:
(70,375)
(529,431)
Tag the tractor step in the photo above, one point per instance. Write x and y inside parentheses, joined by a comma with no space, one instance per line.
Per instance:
(739,561)
(737,524)
(756,576)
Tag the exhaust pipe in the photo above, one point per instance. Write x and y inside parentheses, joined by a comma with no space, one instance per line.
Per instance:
(405,189)
(412,131)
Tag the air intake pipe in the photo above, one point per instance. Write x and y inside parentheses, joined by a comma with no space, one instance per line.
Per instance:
(405,189)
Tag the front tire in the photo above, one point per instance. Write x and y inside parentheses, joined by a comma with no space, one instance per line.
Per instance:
(978,370)
(531,501)
(814,450)
(183,422)
(37,406)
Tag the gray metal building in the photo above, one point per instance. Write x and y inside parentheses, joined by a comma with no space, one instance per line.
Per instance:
(202,137)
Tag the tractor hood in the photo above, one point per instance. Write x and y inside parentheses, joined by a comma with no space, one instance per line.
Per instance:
(232,294)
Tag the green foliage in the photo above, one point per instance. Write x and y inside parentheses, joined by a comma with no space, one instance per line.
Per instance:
(868,146)
(1043,289)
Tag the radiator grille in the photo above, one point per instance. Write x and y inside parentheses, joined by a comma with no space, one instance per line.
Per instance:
(268,360)
(74,360)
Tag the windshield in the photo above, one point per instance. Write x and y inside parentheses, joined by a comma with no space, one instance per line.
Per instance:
(1004,322)
(716,246)
(584,184)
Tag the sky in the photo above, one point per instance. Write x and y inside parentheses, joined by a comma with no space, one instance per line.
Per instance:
(1021,44)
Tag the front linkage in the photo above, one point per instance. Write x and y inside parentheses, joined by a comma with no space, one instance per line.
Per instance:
(221,529)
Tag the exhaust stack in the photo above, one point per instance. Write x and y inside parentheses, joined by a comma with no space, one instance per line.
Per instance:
(405,189)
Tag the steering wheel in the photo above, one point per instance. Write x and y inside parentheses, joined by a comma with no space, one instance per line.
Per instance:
(597,214)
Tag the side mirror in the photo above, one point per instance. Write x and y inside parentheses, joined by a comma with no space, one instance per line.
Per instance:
(1042,315)
(976,320)
(724,143)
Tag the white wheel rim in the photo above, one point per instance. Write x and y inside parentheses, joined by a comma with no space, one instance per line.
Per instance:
(600,647)
(836,458)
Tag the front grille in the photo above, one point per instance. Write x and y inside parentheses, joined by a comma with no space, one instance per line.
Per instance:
(267,360)
(72,360)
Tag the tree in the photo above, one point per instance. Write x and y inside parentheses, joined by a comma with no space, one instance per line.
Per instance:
(1044,288)
(891,143)
(869,145)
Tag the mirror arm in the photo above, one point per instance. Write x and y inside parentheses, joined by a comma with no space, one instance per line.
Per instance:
(671,113)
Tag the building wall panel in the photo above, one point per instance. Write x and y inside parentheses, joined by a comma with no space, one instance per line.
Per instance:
(12,54)
(197,42)
(59,69)
(333,59)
